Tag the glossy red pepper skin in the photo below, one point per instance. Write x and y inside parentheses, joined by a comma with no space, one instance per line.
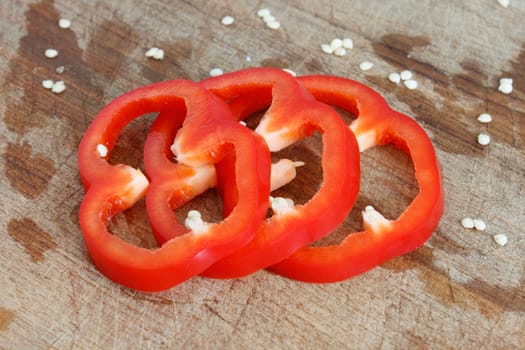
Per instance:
(293,114)
(376,124)
(112,189)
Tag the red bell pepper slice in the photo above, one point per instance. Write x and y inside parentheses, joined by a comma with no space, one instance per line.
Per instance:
(376,124)
(112,189)
(293,114)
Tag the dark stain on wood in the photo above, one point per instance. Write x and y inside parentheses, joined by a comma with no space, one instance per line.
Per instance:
(314,66)
(34,240)
(113,41)
(449,122)
(276,62)
(441,242)
(452,122)
(108,49)
(170,67)
(407,262)
(6,317)
(518,73)
(509,298)
(489,299)
(396,49)
(405,43)
(38,106)
(28,174)
(471,80)
(474,83)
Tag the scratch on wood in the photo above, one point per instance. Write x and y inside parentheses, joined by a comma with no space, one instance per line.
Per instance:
(450,288)
(216,313)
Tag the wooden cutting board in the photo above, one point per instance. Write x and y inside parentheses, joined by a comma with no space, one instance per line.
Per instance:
(460,290)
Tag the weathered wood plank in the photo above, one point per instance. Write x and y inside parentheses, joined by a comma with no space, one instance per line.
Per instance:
(460,290)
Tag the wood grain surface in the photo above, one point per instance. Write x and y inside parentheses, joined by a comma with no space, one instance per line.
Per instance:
(460,290)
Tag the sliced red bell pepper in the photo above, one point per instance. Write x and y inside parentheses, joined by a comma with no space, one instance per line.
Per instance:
(293,114)
(376,124)
(112,189)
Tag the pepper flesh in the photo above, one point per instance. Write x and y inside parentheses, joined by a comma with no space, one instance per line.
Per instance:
(292,115)
(376,124)
(112,189)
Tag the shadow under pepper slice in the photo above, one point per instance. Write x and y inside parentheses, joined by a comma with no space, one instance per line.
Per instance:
(112,189)
(382,239)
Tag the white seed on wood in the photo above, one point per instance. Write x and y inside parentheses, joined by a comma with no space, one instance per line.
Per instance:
(505,85)
(51,53)
(64,23)
(270,21)
(159,54)
(155,53)
(151,52)
(227,20)
(47,84)
(268,18)
(60,69)
(263,12)
(406,75)
(484,118)
(504,3)
(326,48)
(215,72)
(340,51)
(410,84)
(467,222)
(479,224)
(58,87)
(500,239)
(366,65)
(348,43)
(273,25)
(336,43)
(394,78)
(483,139)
